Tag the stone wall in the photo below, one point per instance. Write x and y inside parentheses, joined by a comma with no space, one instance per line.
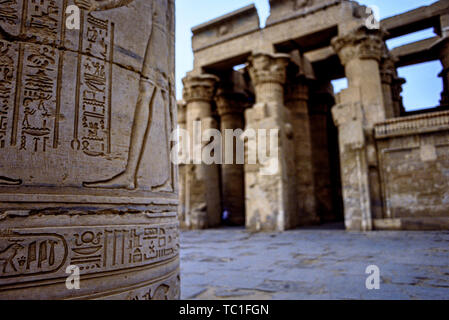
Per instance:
(414,167)
(85,171)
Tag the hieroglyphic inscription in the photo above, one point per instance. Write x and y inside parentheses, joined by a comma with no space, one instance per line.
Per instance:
(93,249)
(92,127)
(34,106)
(9,15)
(44,19)
(38,100)
(8,63)
(31,254)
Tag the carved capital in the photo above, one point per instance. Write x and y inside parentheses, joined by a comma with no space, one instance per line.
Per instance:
(363,43)
(442,50)
(199,88)
(396,87)
(268,68)
(388,69)
(230,102)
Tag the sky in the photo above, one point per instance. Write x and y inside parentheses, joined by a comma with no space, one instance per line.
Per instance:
(423,86)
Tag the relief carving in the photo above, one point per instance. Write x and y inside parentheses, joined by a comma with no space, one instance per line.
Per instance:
(62,109)
(92,249)
(156,88)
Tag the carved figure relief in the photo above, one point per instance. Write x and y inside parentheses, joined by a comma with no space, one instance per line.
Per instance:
(156,89)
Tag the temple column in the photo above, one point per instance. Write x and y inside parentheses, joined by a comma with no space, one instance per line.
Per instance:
(324,142)
(387,74)
(297,98)
(269,184)
(358,109)
(230,107)
(391,86)
(182,125)
(442,48)
(203,208)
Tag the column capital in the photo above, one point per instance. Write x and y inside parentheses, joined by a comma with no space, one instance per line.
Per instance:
(362,43)
(230,102)
(388,68)
(268,68)
(442,50)
(199,87)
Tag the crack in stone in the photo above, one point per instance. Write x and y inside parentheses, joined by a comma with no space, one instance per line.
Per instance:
(4,35)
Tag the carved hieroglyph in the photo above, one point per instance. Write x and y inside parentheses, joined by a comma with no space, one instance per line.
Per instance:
(85,173)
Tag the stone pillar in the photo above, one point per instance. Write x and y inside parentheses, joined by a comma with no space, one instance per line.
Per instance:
(86,178)
(442,48)
(203,208)
(359,108)
(231,106)
(324,143)
(391,86)
(297,98)
(396,91)
(387,73)
(182,125)
(269,185)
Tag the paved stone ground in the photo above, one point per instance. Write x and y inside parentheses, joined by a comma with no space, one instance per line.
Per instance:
(313,264)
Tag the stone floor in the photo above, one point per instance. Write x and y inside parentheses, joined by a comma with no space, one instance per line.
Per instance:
(313,264)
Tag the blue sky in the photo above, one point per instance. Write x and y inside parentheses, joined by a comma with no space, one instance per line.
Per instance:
(423,87)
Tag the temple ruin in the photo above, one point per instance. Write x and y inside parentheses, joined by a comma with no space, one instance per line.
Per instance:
(356,156)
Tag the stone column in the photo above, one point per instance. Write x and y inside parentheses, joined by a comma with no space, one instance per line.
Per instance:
(231,106)
(269,185)
(182,125)
(359,108)
(442,48)
(387,73)
(297,98)
(203,208)
(396,91)
(324,143)
(86,179)
(391,86)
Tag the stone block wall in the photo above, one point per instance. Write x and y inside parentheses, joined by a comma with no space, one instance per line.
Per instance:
(414,168)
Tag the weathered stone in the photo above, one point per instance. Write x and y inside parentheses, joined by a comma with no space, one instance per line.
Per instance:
(331,155)
(297,98)
(270,195)
(203,207)
(82,114)
(231,105)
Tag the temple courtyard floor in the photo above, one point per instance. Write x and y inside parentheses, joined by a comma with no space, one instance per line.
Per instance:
(322,263)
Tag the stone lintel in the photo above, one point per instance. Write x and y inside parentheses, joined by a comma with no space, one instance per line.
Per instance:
(414,20)
(231,25)
(282,10)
